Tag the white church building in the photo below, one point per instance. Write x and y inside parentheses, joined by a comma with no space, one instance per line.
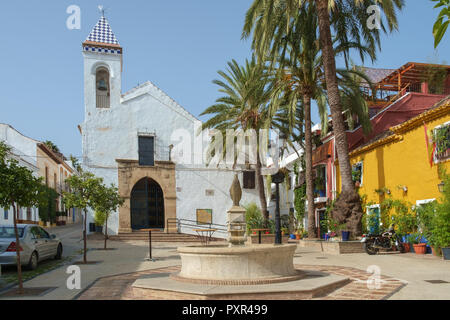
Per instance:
(147,144)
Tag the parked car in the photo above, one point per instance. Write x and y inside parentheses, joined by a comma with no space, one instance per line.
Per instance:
(36,245)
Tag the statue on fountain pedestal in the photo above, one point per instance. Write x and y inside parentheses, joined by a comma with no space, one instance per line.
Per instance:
(237,225)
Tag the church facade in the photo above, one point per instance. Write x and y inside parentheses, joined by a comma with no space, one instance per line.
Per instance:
(148,145)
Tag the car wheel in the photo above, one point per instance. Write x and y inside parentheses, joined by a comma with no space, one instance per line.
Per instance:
(59,252)
(33,263)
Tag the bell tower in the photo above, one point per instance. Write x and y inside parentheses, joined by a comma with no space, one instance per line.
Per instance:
(102,56)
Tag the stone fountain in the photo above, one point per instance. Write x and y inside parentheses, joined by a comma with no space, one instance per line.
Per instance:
(237,263)
(237,270)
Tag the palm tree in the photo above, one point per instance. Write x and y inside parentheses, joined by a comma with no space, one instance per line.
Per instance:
(247,92)
(349,21)
(301,78)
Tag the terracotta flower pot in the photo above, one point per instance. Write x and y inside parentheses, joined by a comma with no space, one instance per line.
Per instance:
(297,237)
(420,248)
(407,247)
(436,251)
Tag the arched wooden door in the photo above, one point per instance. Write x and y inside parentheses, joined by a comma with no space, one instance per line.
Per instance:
(147,205)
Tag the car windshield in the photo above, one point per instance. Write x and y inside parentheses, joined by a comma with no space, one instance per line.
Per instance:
(8,232)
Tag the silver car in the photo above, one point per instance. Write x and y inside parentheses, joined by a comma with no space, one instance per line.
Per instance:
(35,243)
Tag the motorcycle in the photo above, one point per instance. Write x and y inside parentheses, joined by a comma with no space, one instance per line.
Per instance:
(387,241)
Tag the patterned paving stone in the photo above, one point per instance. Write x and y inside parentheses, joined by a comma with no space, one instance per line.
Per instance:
(119,287)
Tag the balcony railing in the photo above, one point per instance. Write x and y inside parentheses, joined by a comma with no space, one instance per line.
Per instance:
(443,155)
(102,101)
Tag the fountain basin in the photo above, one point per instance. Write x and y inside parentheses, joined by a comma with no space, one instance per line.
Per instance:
(239,265)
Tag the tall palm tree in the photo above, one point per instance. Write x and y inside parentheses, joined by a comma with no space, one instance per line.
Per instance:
(301,74)
(348,18)
(247,93)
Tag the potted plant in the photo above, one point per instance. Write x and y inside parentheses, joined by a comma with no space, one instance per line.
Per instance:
(406,244)
(99,220)
(356,177)
(441,221)
(298,234)
(345,234)
(419,246)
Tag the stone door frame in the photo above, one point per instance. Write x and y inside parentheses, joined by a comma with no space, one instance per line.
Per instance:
(130,172)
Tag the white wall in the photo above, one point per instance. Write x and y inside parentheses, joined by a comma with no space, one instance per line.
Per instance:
(191,194)
(4,221)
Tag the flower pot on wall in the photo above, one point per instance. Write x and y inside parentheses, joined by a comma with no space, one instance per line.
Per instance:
(345,235)
(446,253)
(420,248)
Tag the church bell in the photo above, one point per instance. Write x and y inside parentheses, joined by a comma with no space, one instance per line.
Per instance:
(102,85)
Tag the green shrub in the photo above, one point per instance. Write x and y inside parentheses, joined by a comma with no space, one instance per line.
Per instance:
(405,222)
(47,213)
(441,224)
(253,217)
(99,218)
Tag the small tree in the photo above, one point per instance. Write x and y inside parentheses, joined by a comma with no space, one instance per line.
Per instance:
(47,209)
(106,200)
(18,188)
(84,188)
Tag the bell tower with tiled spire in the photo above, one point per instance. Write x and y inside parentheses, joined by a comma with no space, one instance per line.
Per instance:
(102,55)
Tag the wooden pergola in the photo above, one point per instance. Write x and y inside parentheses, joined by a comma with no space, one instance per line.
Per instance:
(407,75)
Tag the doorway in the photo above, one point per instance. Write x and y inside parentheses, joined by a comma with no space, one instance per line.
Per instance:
(147,205)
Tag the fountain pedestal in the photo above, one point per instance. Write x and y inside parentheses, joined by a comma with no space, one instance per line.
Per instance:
(238,265)
(237,226)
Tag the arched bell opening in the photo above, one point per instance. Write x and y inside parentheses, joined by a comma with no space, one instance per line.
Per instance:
(102,88)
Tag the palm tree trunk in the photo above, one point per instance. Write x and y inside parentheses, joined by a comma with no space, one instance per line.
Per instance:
(19,264)
(260,186)
(334,96)
(309,169)
(348,207)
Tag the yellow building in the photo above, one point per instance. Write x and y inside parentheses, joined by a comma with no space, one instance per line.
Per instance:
(399,163)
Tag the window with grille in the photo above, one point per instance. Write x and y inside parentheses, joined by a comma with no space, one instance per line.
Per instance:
(441,139)
(146,151)
(249,180)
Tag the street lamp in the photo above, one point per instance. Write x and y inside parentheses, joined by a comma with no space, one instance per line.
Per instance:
(277,179)
(441,186)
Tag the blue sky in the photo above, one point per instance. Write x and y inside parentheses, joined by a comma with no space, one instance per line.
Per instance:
(178,45)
